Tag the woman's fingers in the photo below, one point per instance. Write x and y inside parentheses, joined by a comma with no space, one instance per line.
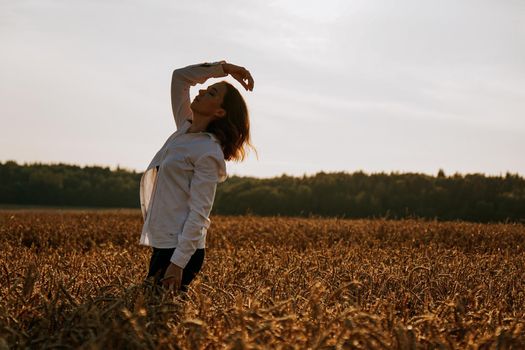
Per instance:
(242,75)
(240,79)
(246,80)
(248,77)
(172,277)
(250,82)
(171,282)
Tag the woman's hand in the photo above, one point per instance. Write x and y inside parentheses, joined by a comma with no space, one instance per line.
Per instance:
(241,74)
(172,277)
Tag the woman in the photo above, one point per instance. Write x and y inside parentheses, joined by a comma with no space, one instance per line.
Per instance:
(178,188)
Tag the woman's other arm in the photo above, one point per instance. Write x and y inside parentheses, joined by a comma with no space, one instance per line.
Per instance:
(209,170)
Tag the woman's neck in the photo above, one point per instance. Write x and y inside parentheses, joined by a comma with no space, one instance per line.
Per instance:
(198,124)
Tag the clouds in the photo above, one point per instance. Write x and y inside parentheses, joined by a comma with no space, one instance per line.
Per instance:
(370,82)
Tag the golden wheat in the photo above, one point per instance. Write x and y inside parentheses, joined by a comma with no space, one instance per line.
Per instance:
(75,279)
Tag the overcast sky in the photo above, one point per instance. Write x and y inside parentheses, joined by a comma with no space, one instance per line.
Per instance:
(407,86)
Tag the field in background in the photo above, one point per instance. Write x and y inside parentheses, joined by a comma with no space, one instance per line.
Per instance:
(75,278)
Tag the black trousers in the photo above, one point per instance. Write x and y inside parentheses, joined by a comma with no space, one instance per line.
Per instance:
(160,260)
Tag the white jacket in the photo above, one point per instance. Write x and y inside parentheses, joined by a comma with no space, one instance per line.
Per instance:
(176,199)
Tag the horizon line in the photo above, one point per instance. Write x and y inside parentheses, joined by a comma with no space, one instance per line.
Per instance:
(384,172)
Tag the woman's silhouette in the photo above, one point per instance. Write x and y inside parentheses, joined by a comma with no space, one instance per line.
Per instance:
(178,187)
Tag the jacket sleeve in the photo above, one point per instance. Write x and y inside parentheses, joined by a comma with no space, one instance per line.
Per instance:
(209,170)
(181,81)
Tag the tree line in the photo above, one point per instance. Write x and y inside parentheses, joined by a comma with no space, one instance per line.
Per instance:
(472,197)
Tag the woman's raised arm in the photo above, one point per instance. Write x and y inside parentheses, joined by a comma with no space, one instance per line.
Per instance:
(183,78)
(181,81)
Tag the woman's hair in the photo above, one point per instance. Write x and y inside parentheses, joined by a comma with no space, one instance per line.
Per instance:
(233,130)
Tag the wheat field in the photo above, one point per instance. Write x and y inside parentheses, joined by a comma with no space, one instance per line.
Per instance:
(75,279)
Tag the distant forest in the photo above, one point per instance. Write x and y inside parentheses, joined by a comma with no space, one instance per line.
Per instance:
(472,197)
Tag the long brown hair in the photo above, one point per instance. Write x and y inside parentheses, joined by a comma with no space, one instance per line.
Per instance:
(233,130)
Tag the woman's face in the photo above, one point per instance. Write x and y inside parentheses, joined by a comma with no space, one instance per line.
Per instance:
(208,102)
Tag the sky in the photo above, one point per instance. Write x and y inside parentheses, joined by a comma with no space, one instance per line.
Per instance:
(373,86)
